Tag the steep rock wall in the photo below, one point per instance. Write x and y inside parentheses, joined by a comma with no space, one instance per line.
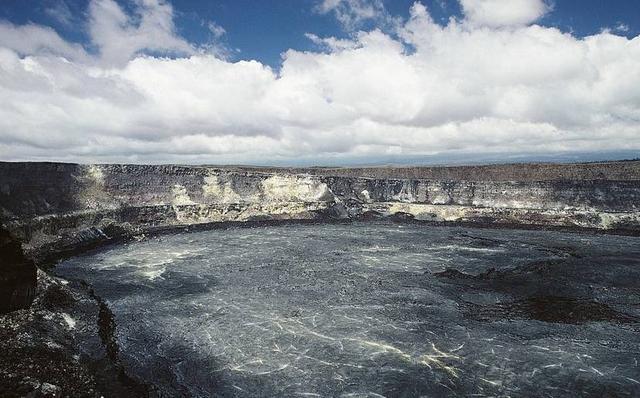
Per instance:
(56,208)
(17,275)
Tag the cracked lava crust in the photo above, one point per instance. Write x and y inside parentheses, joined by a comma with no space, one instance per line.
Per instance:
(373,309)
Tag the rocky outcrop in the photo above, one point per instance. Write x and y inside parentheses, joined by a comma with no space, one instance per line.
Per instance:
(57,209)
(17,275)
(63,345)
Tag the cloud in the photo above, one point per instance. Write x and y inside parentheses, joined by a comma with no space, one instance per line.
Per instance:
(622,27)
(427,89)
(216,30)
(60,12)
(217,46)
(36,39)
(119,36)
(353,14)
(501,13)
(330,43)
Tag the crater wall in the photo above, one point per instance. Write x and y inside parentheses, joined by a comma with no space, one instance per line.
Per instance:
(55,208)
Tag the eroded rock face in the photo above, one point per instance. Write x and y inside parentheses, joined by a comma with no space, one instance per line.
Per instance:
(63,345)
(57,208)
(17,275)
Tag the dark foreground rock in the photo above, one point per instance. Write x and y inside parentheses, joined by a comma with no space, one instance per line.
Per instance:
(17,275)
(62,345)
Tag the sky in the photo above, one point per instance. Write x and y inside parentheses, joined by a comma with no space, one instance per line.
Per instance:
(319,82)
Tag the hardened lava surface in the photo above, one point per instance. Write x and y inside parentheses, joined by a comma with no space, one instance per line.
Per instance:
(374,309)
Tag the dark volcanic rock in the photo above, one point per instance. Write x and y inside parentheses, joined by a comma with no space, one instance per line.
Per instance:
(567,288)
(63,345)
(550,309)
(17,275)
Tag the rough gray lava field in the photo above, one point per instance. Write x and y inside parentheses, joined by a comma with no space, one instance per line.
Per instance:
(374,309)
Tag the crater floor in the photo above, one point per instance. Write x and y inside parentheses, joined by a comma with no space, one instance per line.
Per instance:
(374,309)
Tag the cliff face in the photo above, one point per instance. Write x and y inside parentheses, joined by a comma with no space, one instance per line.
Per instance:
(60,207)
(17,275)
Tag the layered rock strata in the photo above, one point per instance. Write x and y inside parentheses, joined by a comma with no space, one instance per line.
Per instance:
(56,208)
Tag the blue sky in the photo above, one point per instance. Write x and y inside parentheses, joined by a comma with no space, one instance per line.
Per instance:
(263,29)
(319,82)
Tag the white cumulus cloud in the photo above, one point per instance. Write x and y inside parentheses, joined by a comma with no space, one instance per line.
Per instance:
(426,89)
(498,13)
(120,36)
